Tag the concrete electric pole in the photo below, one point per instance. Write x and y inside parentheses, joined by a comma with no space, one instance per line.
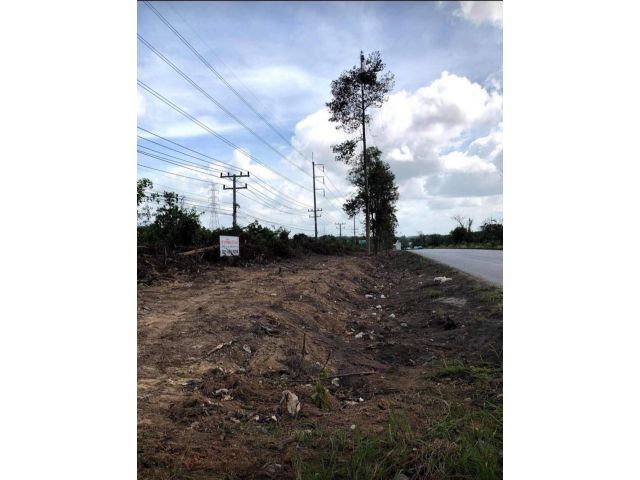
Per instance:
(234,188)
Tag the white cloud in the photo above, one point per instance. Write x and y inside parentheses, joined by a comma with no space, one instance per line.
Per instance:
(402,154)
(481,12)
(443,143)
(459,162)
(244,162)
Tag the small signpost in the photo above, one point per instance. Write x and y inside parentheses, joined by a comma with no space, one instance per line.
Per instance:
(229,246)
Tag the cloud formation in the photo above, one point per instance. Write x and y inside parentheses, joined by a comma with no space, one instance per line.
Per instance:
(480,13)
(443,143)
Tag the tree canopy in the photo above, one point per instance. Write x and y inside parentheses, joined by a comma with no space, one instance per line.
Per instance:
(383,197)
(355,85)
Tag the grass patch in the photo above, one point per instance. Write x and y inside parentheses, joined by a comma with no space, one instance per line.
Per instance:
(320,396)
(462,442)
(433,293)
(459,370)
(493,295)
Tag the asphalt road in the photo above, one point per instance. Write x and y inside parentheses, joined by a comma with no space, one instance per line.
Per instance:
(486,264)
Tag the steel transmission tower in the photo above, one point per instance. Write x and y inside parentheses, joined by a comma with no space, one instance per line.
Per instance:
(215,221)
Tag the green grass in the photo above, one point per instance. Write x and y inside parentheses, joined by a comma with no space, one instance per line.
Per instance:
(433,293)
(459,370)
(462,442)
(320,396)
(492,295)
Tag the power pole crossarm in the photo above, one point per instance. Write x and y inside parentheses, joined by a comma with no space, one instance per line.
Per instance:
(234,176)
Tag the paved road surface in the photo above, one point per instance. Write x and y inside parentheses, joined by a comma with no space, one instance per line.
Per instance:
(486,264)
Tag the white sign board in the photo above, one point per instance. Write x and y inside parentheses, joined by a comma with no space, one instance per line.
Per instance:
(229,246)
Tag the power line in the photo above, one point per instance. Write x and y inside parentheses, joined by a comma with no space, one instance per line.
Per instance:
(206,173)
(213,132)
(267,205)
(177,164)
(227,165)
(217,74)
(263,183)
(206,44)
(276,223)
(216,102)
(178,151)
(175,174)
(218,170)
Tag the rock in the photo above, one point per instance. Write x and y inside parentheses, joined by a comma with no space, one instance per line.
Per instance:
(290,402)
(246,348)
(403,324)
(378,306)
(272,469)
(359,335)
(368,295)
(353,427)
(382,296)
(393,315)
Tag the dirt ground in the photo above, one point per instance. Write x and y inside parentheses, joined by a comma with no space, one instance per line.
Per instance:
(216,351)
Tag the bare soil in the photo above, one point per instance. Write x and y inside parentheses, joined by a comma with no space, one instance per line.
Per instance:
(217,349)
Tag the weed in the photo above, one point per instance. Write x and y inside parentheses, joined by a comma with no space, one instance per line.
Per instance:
(433,293)
(493,295)
(459,370)
(320,396)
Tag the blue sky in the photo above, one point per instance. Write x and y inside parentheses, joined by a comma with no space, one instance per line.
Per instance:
(441,129)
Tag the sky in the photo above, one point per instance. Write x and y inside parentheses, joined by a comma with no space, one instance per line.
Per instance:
(440,129)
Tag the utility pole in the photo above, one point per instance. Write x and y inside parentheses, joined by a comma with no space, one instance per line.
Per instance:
(364,155)
(234,176)
(340,224)
(316,210)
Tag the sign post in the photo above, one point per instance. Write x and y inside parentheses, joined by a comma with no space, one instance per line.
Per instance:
(229,246)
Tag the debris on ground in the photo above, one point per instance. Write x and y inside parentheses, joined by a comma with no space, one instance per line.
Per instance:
(291,402)
(219,347)
(442,279)
(208,404)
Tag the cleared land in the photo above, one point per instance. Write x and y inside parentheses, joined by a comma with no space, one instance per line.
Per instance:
(419,364)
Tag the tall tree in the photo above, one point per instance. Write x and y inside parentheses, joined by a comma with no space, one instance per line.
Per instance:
(383,196)
(356,90)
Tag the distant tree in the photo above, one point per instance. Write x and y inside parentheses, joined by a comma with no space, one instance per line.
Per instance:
(146,198)
(464,222)
(356,90)
(144,184)
(175,224)
(383,197)
(459,234)
(491,231)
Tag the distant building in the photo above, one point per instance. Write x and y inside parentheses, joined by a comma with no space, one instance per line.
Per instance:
(398,245)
